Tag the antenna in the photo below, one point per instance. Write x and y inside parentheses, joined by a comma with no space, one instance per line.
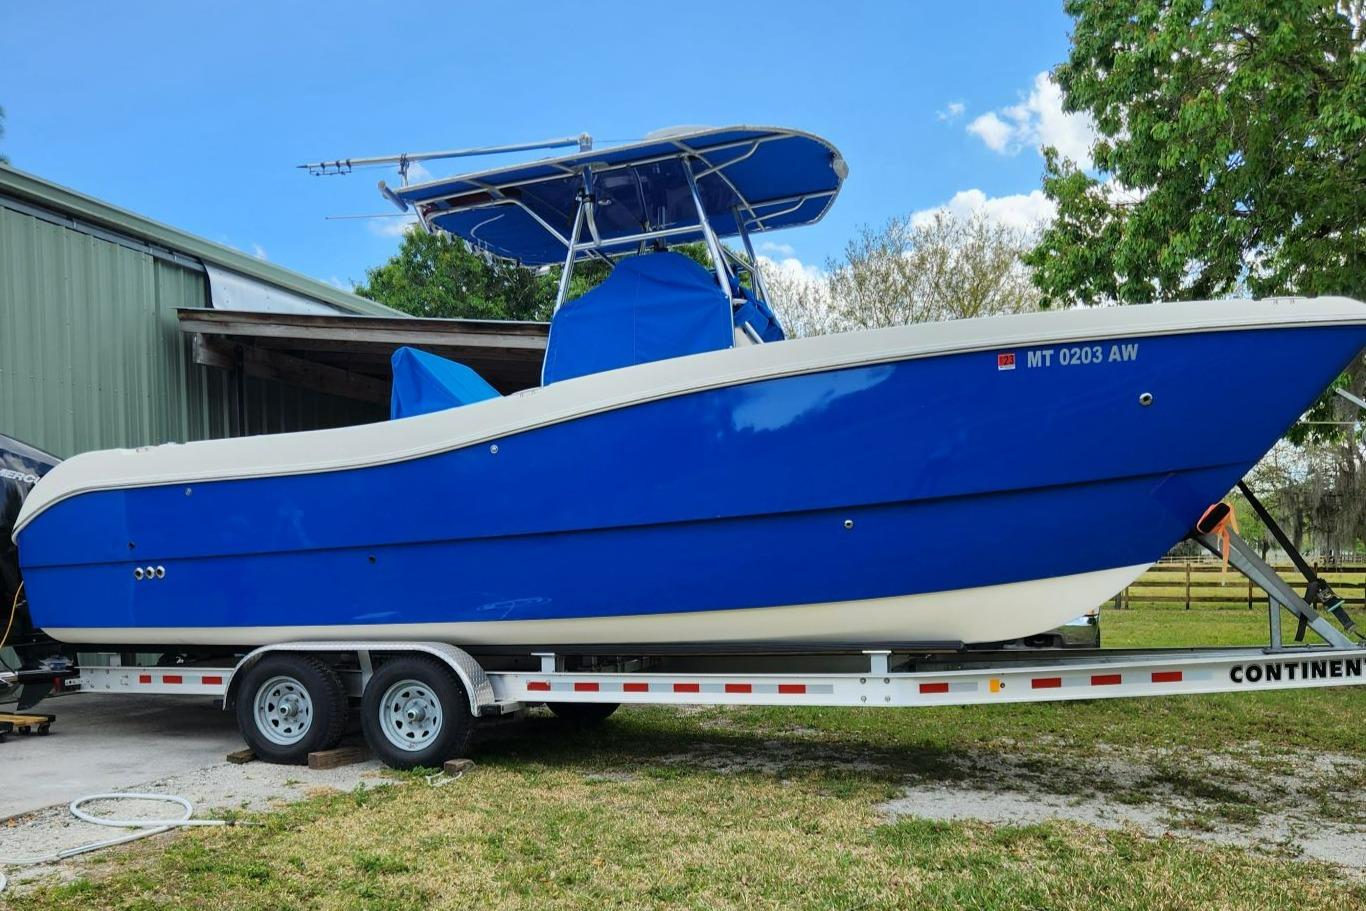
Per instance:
(404,159)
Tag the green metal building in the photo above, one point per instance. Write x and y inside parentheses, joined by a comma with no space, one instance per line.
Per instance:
(92,355)
(117,331)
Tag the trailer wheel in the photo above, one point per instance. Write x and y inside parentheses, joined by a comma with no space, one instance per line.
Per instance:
(584,714)
(414,712)
(289,706)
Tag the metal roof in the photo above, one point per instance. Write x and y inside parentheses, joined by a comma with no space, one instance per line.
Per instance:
(76,210)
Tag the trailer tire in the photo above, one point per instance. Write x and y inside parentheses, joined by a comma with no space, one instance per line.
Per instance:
(290,705)
(583,714)
(415,712)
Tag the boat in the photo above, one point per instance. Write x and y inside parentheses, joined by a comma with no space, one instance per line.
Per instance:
(686,473)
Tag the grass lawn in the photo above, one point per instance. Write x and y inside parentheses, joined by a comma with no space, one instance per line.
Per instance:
(769,808)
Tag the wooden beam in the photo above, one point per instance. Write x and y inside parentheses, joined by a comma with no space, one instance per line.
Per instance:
(284,368)
(485,334)
(533,349)
(338,756)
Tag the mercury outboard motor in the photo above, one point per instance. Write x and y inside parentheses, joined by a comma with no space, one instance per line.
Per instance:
(37,655)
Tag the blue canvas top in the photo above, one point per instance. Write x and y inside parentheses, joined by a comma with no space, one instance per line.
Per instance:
(424,383)
(776,178)
(650,307)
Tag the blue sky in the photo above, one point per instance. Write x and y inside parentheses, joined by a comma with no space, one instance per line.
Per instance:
(195,114)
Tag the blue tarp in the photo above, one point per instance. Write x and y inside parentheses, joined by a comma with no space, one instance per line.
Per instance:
(651,307)
(757,313)
(424,383)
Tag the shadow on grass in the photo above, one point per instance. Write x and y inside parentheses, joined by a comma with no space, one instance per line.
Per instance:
(664,743)
(661,743)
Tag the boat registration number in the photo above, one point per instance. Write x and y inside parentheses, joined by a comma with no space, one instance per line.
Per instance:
(1080,355)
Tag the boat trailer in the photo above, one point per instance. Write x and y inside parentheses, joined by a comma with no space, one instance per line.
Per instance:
(419,701)
(585,684)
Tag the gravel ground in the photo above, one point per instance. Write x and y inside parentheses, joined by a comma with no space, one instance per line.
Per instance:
(106,741)
(218,787)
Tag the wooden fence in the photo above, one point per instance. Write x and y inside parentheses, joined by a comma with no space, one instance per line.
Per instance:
(1207,584)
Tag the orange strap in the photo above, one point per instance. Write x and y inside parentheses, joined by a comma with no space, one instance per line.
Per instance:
(1223,530)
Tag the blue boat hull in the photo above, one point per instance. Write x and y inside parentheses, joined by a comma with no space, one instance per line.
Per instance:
(884,488)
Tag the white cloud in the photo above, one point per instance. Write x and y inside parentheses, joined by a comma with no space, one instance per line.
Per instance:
(338,283)
(791,269)
(396,225)
(258,251)
(952,111)
(1021,211)
(784,250)
(1037,121)
(994,131)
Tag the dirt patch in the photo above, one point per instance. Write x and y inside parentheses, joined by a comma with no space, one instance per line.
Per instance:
(772,757)
(1292,805)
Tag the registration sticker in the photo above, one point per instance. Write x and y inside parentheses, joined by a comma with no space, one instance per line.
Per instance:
(1005,360)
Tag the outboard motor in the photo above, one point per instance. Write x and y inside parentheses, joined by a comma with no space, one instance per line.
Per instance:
(37,656)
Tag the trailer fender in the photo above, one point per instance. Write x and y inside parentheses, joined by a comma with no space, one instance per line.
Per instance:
(471,674)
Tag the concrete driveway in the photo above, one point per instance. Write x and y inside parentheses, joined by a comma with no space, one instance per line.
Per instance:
(107,742)
(160,744)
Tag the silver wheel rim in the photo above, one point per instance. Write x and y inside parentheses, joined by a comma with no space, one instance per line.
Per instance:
(410,715)
(283,710)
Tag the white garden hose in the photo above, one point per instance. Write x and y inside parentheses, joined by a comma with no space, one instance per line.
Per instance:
(142,828)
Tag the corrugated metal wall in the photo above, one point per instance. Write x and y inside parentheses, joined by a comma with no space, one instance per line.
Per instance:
(91,356)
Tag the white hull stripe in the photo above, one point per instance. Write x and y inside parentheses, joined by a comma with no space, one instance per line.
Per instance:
(970,615)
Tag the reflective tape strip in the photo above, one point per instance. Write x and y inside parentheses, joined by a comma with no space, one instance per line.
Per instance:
(941,688)
(1106,679)
(172,678)
(1166,676)
(212,681)
(1045,683)
(718,688)
(144,678)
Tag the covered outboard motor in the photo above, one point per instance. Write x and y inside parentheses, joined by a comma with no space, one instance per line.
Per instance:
(26,655)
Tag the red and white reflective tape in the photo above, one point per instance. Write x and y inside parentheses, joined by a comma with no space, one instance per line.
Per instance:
(176,679)
(718,687)
(1068,681)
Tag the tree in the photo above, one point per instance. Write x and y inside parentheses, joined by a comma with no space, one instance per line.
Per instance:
(1231,154)
(437,275)
(910,271)
(1316,488)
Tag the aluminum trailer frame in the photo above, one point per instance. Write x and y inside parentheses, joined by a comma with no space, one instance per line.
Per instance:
(900,675)
(1159,672)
